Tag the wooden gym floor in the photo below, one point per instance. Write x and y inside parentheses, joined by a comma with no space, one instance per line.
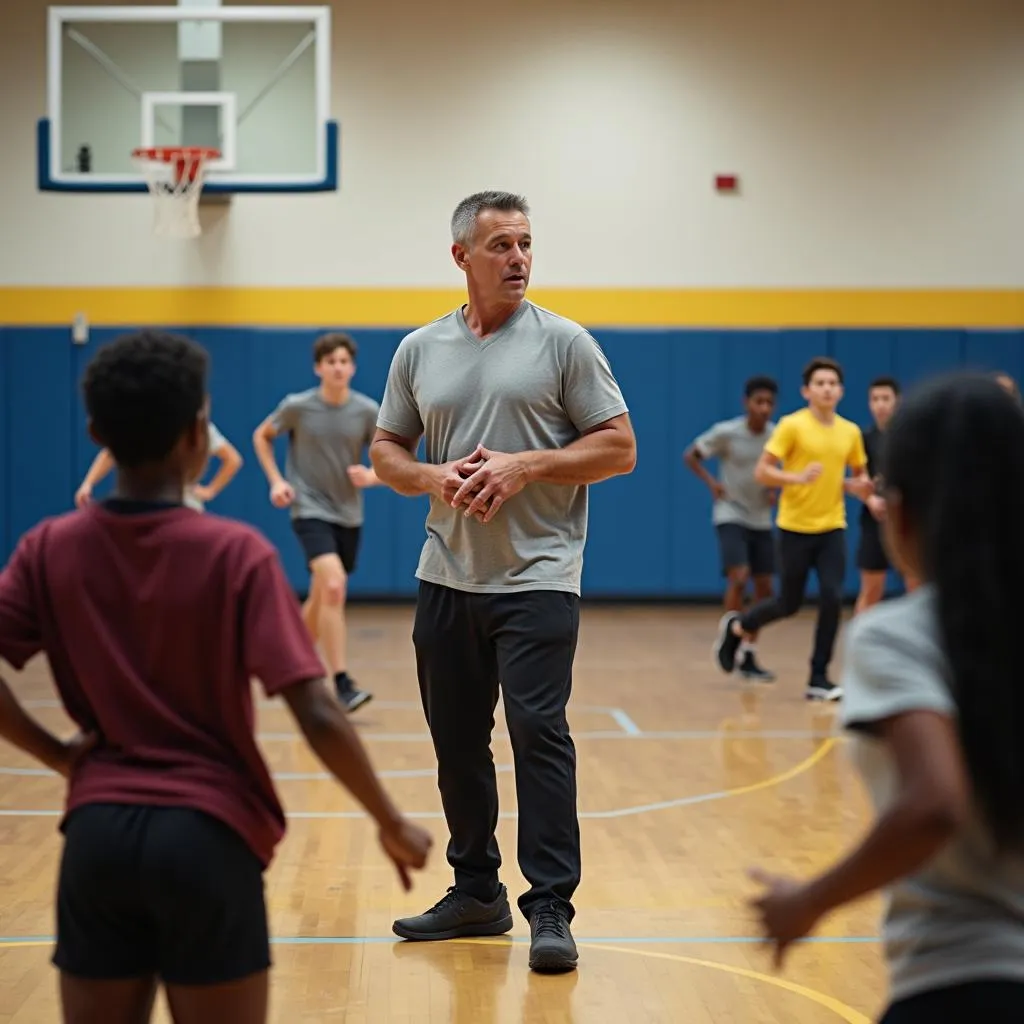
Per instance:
(685,780)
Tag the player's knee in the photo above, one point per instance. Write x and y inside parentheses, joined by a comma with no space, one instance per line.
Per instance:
(739,575)
(831,595)
(334,590)
(535,732)
(329,580)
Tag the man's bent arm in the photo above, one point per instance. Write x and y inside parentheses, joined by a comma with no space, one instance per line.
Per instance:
(394,461)
(604,451)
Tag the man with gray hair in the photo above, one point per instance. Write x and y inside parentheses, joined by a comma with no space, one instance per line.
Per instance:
(520,413)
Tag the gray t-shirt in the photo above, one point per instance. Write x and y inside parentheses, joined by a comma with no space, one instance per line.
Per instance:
(535,384)
(737,450)
(323,441)
(960,918)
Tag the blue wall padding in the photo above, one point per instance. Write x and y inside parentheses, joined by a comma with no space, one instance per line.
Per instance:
(650,533)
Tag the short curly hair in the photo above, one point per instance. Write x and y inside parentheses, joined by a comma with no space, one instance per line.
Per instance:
(142,391)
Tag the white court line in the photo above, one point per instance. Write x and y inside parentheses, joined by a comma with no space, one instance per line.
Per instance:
(627,728)
(617,812)
(624,722)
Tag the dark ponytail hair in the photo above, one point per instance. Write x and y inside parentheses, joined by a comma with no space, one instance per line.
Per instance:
(954,453)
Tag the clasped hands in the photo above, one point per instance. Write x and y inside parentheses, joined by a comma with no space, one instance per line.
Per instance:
(482,482)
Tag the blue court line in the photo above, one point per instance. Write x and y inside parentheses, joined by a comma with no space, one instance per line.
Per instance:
(631,940)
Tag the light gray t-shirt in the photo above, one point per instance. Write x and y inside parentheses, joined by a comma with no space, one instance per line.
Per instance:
(961,917)
(737,449)
(215,440)
(535,384)
(323,441)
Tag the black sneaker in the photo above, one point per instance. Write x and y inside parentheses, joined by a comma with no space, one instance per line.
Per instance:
(727,644)
(820,688)
(354,699)
(457,916)
(349,694)
(750,669)
(552,949)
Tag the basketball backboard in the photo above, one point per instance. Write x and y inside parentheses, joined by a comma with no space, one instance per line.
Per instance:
(251,82)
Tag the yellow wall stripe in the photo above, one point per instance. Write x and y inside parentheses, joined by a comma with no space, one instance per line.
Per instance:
(596,307)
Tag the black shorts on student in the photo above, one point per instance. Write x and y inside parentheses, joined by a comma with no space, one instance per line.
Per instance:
(158,891)
(871,556)
(740,546)
(319,537)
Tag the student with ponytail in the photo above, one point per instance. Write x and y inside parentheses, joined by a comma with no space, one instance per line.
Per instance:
(934,698)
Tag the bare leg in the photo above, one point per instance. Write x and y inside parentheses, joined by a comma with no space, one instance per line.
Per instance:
(331,582)
(129,1001)
(236,1002)
(872,590)
(311,608)
(735,587)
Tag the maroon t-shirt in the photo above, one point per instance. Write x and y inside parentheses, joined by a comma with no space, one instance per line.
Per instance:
(154,620)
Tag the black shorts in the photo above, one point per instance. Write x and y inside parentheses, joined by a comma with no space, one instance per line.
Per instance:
(162,891)
(319,537)
(742,547)
(871,556)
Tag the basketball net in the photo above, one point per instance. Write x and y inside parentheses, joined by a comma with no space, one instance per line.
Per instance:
(174,176)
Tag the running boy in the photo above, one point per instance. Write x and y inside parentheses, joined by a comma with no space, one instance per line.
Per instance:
(814,447)
(154,621)
(742,509)
(329,430)
(196,494)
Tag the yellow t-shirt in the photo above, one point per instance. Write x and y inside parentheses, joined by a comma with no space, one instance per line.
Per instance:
(800,439)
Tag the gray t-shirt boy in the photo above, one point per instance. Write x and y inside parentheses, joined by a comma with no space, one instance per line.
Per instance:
(737,449)
(960,918)
(536,383)
(323,441)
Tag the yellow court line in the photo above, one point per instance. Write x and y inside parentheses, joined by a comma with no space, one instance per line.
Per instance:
(791,773)
(847,1013)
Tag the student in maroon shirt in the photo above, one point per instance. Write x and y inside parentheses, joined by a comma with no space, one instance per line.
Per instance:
(154,619)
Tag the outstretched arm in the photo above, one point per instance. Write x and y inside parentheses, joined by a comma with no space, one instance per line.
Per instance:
(932,803)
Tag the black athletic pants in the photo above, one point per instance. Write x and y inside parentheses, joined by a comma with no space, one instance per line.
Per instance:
(986,1002)
(465,644)
(799,553)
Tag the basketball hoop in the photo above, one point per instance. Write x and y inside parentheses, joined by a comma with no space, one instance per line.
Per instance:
(174,175)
